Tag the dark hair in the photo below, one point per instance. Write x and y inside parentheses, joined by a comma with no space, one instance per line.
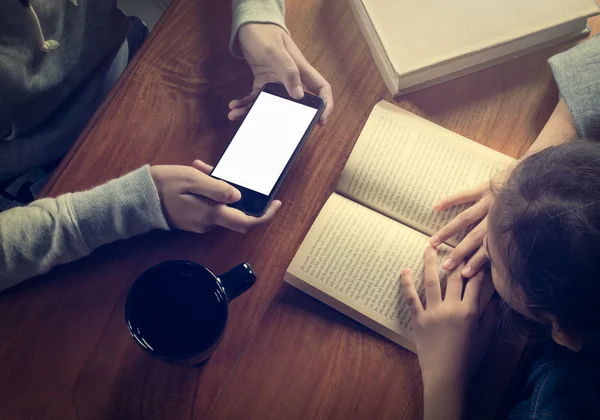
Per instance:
(547,220)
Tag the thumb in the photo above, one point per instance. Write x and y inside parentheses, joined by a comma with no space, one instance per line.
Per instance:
(202,167)
(286,69)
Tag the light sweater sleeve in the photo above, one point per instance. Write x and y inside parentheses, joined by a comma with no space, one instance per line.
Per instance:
(254,11)
(53,231)
(577,73)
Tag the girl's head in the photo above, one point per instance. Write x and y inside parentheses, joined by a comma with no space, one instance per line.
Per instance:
(544,240)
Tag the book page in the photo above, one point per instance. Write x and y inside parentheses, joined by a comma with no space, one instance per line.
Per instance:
(351,260)
(402,164)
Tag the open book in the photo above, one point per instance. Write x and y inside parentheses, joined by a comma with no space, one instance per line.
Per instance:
(379,219)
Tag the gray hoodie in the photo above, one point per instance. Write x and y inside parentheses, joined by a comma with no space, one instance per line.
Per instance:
(47,49)
(58,59)
(44,57)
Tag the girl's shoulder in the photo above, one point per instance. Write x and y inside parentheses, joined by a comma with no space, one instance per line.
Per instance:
(560,385)
(577,73)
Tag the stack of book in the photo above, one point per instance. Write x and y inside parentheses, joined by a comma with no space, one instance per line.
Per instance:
(418,43)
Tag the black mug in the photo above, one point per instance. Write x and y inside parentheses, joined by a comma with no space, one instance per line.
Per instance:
(177,310)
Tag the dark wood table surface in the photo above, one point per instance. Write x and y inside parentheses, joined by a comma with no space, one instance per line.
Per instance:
(65,352)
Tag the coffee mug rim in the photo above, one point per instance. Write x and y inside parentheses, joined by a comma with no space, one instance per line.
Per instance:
(189,355)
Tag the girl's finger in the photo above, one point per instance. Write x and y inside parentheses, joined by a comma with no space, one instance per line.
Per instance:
(311,77)
(269,214)
(242,103)
(470,243)
(476,262)
(467,196)
(284,65)
(230,218)
(454,287)
(464,219)
(238,221)
(238,113)
(202,167)
(473,288)
(410,293)
(219,191)
(433,292)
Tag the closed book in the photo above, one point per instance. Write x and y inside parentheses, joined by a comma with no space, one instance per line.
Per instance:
(419,43)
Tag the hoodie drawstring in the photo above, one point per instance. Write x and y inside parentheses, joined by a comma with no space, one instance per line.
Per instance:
(44,44)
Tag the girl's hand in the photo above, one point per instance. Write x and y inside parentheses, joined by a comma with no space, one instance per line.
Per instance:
(474,239)
(483,200)
(447,332)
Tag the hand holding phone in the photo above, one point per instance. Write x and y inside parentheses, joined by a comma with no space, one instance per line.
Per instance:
(266,144)
(195,202)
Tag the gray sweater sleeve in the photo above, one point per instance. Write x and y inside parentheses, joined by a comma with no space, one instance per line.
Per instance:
(577,73)
(53,231)
(254,11)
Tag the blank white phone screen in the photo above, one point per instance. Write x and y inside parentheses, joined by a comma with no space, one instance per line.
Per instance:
(264,143)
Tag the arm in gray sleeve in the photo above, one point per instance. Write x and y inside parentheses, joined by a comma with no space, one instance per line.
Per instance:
(53,231)
(254,11)
(577,73)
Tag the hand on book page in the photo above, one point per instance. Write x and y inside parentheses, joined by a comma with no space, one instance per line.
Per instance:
(483,199)
(449,331)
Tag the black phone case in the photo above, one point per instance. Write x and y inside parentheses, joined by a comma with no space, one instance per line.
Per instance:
(251,200)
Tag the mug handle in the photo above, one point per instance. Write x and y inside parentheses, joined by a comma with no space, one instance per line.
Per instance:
(237,280)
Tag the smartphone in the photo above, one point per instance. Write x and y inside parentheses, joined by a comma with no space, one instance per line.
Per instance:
(266,144)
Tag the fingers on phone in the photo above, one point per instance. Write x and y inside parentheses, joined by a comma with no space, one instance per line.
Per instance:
(213,189)
(238,113)
(270,213)
(241,103)
(240,107)
(238,221)
(202,167)
(287,70)
(311,78)
(231,219)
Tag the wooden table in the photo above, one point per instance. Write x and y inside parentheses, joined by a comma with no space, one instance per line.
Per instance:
(65,352)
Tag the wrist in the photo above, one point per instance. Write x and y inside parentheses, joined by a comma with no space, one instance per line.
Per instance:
(155,175)
(443,399)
